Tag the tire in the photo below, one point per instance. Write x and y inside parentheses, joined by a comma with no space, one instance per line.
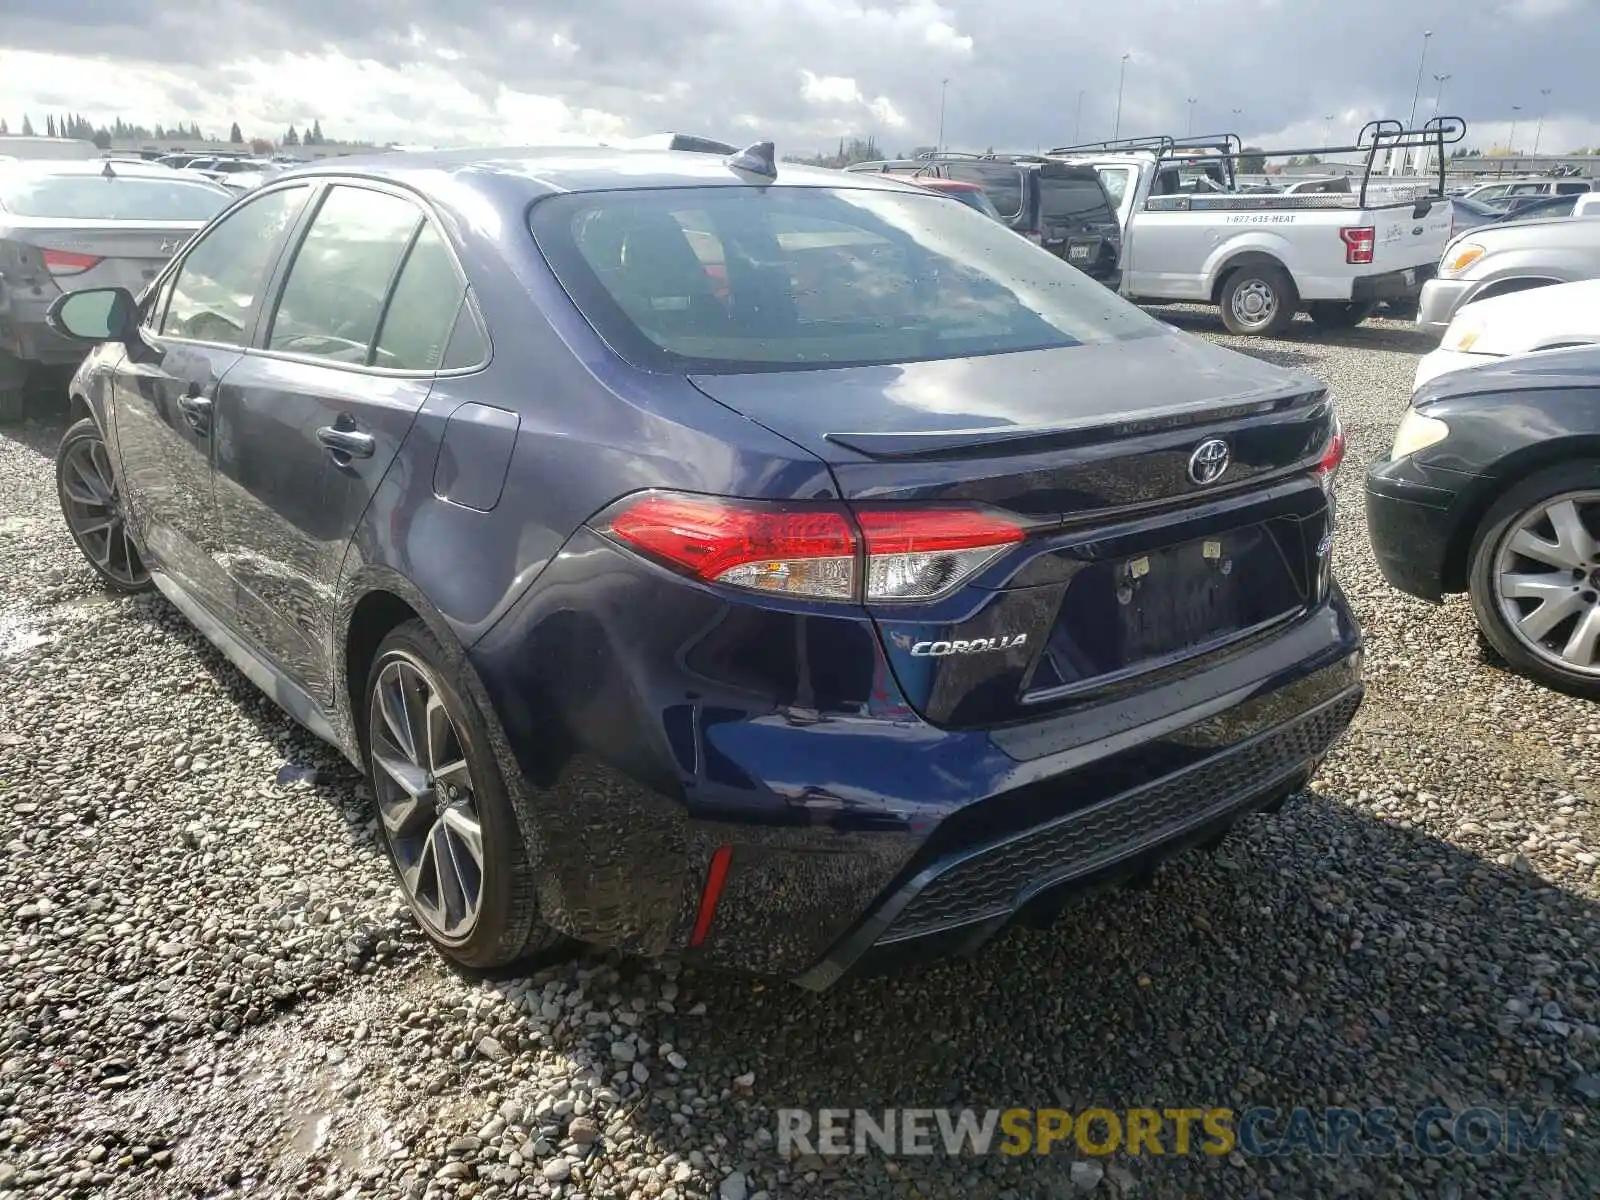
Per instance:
(1501,609)
(91,505)
(1266,283)
(1334,314)
(13,405)
(505,925)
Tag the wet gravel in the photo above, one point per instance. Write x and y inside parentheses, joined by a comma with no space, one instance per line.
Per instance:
(212,989)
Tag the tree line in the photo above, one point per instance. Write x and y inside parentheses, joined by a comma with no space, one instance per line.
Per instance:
(73,125)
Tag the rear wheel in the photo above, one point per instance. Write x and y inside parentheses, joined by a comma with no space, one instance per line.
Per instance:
(1535,578)
(446,815)
(91,502)
(1258,300)
(1334,314)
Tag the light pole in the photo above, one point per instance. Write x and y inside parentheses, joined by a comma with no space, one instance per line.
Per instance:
(1193,100)
(1511,142)
(1122,78)
(1438,94)
(1077,126)
(944,88)
(1422,62)
(1544,107)
(1327,130)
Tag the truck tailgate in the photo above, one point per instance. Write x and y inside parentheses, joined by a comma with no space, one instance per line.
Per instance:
(1405,240)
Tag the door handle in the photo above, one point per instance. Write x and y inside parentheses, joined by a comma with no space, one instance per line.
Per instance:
(196,410)
(346,442)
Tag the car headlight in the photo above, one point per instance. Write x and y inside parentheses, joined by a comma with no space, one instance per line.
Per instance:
(1461,336)
(1462,257)
(1416,432)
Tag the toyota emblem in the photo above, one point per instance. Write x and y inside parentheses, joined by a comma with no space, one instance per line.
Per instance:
(1209,460)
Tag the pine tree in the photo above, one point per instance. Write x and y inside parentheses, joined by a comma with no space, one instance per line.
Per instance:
(236,135)
(291,138)
(316,134)
(27,127)
(5,130)
(49,127)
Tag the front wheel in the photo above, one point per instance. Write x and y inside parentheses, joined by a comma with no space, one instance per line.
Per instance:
(91,502)
(1335,314)
(1535,577)
(1259,301)
(446,815)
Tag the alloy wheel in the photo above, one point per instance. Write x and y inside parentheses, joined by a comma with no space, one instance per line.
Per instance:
(426,798)
(1254,304)
(1547,581)
(92,506)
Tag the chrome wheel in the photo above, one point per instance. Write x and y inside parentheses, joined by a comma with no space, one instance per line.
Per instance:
(1254,303)
(426,799)
(1547,581)
(92,506)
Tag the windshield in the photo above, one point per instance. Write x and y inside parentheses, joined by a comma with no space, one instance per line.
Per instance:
(124,198)
(731,279)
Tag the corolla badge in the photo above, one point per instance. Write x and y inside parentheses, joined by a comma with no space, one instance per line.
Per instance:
(1209,460)
(967,646)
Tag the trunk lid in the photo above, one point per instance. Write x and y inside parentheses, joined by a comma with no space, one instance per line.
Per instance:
(1132,569)
(125,254)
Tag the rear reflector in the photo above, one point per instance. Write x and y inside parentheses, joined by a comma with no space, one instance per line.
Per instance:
(68,262)
(716,876)
(1358,243)
(815,551)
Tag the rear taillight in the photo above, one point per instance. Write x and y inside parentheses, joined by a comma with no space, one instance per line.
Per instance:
(68,262)
(883,554)
(1358,242)
(1328,466)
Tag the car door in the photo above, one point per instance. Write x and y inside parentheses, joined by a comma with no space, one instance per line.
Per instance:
(195,325)
(316,412)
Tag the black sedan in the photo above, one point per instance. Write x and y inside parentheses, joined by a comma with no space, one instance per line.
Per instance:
(1493,488)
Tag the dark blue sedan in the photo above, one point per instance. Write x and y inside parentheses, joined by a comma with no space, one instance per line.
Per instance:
(788,569)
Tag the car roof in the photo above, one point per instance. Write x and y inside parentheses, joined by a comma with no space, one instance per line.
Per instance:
(552,169)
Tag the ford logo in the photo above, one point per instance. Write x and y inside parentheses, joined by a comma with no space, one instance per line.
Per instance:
(1209,461)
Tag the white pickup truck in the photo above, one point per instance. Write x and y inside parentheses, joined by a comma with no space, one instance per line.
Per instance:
(1187,235)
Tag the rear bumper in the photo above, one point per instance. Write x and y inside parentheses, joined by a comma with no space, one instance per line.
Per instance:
(858,834)
(1391,285)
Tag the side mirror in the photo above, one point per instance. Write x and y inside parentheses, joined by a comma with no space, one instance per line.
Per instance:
(95,315)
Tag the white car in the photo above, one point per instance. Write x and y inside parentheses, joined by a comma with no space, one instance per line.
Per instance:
(1546,318)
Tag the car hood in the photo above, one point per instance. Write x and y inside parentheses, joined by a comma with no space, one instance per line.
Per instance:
(1578,367)
(1523,321)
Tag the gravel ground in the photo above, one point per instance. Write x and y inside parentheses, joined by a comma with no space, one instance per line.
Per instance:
(212,989)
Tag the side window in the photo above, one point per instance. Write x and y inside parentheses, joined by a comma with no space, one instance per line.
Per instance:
(422,311)
(1116,183)
(1571,189)
(215,290)
(333,297)
(469,346)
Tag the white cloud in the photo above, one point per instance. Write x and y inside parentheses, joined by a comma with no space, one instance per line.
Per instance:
(943,36)
(828,89)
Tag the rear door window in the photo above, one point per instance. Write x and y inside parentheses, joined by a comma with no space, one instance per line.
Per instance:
(333,298)
(1571,189)
(1001,181)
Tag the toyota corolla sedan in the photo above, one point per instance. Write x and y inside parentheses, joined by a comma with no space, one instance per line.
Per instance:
(789,570)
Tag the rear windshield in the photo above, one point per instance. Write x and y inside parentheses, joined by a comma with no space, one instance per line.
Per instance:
(1002,182)
(732,279)
(1078,200)
(96,198)
(979,200)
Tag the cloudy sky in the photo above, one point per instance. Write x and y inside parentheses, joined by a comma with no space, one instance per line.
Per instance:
(805,72)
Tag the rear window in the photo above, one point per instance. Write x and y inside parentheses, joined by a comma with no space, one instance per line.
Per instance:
(96,198)
(1079,199)
(979,200)
(1003,184)
(734,279)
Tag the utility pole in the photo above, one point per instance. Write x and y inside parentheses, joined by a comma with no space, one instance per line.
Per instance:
(944,87)
(1122,78)
(1544,107)
(1511,142)
(1438,94)
(1417,94)
(1077,126)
